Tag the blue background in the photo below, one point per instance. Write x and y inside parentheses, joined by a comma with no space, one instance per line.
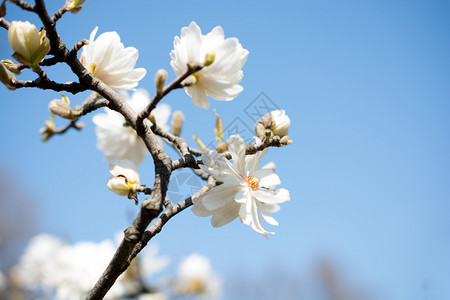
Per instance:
(366,85)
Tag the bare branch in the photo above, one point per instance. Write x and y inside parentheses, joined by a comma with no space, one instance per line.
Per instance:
(23,5)
(78,46)
(5,24)
(176,84)
(59,13)
(46,84)
(48,132)
(168,213)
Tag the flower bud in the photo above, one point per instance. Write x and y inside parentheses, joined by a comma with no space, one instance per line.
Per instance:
(74,6)
(190,80)
(11,66)
(209,58)
(62,108)
(218,128)
(6,77)
(177,122)
(29,46)
(160,79)
(280,123)
(125,178)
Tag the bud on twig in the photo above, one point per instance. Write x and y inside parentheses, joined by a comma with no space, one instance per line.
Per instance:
(61,107)
(6,77)
(11,66)
(74,6)
(160,79)
(177,122)
(209,58)
(218,128)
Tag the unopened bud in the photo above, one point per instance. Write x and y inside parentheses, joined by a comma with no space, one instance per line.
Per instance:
(6,77)
(222,147)
(177,122)
(125,178)
(285,140)
(61,108)
(160,79)
(190,80)
(11,66)
(29,45)
(74,6)
(209,58)
(218,128)
(280,123)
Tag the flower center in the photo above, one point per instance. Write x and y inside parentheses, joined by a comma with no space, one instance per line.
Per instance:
(252,182)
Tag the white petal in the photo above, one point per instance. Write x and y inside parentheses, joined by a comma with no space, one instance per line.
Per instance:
(236,146)
(219,196)
(198,96)
(225,215)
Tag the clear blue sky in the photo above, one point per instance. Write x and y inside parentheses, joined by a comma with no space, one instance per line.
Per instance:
(366,84)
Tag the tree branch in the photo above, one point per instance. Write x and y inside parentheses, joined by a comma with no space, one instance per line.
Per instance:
(23,5)
(5,24)
(168,213)
(176,84)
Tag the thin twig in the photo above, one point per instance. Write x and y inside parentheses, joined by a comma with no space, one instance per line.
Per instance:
(176,84)
(59,13)
(5,24)
(23,5)
(168,213)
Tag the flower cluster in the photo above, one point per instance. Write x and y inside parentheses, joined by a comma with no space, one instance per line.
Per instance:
(54,269)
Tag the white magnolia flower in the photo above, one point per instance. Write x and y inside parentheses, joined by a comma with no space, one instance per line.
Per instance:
(221,79)
(80,265)
(280,123)
(196,277)
(120,141)
(36,266)
(29,45)
(246,192)
(125,177)
(150,263)
(63,271)
(108,60)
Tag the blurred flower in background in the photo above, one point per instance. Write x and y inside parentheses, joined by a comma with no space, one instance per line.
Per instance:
(117,139)
(196,277)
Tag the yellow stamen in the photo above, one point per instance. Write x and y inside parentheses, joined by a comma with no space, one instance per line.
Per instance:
(252,182)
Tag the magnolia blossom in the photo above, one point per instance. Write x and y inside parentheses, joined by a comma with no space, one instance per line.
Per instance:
(117,139)
(107,59)
(280,123)
(29,45)
(67,272)
(246,193)
(125,177)
(196,277)
(221,79)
